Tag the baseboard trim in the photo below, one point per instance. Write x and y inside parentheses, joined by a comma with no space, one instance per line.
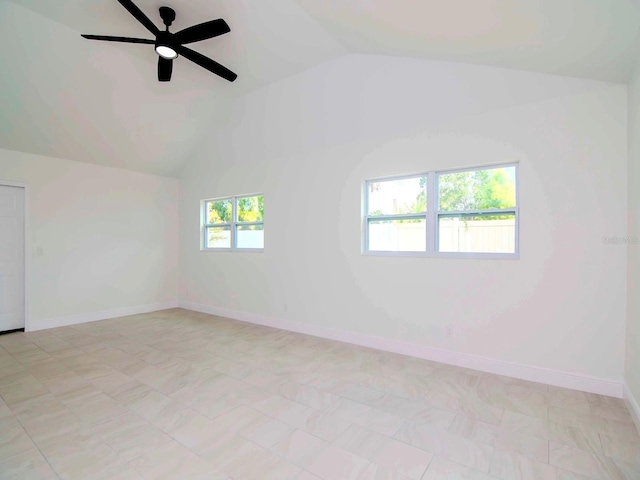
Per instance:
(96,316)
(484,364)
(632,406)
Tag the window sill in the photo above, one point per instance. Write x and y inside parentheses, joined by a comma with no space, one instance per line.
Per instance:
(240,250)
(459,255)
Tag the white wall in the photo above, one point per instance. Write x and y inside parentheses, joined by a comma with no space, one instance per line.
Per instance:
(633,296)
(309,142)
(108,238)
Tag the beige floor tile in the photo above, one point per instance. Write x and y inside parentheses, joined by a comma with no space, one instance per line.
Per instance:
(46,416)
(377,472)
(184,467)
(361,441)
(571,399)
(441,443)
(529,392)
(584,463)
(114,383)
(83,457)
(29,465)
(46,369)
(266,431)
(200,433)
(594,423)
(624,450)
(378,421)
(305,394)
(358,393)
(526,424)
(613,412)
(5,411)
(577,437)
(13,439)
(231,454)
(563,474)
(508,465)
(473,407)
(431,416)
(98,408)
(403,459)
(265,465)
(346,409)
(530,446)
(20,387)
(130,435)
(630,470)
(300,448)
(325,424)
(334,463)
(443,469)
(94,370)
(304,475)
(148,458)
(595,399)
(524,406)
(238,418)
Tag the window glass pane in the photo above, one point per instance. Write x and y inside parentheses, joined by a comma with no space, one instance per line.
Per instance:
(477,233)
(219,211)
(250,236)
(251,209)
(391,197)
(406,235)
(219,237)
(478,189)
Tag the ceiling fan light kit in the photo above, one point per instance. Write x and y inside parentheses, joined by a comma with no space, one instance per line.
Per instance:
(169,45)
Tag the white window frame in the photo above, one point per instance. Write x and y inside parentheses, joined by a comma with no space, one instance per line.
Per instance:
(432,214)
(233,225)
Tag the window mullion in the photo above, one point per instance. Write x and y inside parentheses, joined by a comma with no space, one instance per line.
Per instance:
(400,216)
(365,216)
(242,224)
(497,211)
(204,235)
(432,199)
(234,221)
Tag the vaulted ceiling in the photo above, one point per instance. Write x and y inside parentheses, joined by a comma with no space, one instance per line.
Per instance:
(63,96)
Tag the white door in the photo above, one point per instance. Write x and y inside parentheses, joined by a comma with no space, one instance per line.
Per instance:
(12,315)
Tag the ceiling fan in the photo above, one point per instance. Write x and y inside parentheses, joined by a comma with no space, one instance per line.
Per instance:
(169,45)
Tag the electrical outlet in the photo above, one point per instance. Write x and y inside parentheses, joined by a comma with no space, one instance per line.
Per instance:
(448,331)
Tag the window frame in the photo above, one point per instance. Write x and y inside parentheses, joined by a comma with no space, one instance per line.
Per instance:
(433,213)
(233,224)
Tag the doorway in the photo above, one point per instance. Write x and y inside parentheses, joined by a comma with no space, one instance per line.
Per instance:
(12,258)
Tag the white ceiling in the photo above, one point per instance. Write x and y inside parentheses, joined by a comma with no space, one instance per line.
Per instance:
(100,102)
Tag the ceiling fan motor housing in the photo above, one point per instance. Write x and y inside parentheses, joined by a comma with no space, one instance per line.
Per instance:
(165,39)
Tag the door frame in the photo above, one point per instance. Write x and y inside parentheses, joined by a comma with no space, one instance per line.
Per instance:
(26,261)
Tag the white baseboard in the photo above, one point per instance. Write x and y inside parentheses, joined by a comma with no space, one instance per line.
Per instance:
(96,316)
(484,364)
(632,406)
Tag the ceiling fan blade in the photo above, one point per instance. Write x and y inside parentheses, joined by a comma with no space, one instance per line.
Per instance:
(165,67)
(119,39)
(141,17)
(206,63)
(202,31)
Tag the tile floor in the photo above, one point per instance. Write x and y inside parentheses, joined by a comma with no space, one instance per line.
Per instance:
(183,395)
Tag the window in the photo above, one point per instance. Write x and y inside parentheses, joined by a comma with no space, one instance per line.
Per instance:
(471,212)
(233,223)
